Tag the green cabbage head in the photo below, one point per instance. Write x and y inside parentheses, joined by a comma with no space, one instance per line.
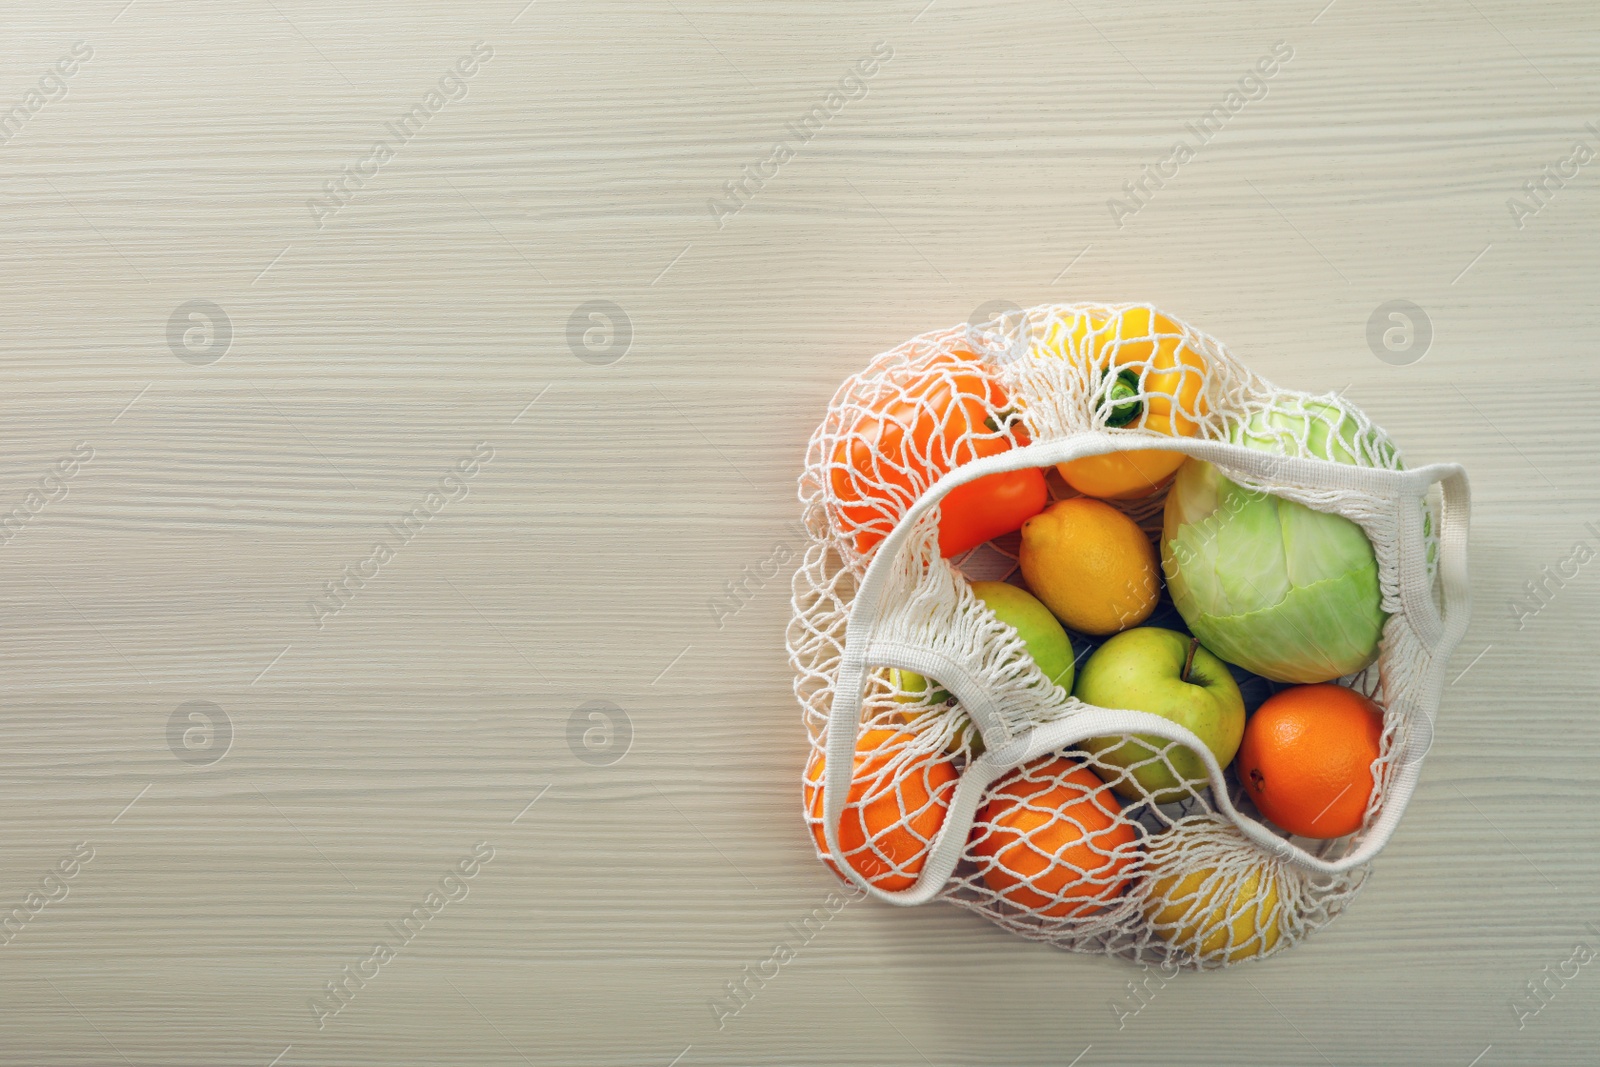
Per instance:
(1278,588)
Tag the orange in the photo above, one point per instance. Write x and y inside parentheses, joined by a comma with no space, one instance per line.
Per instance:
(1307,758)
(897,803)
(1052,840)
(1091,565)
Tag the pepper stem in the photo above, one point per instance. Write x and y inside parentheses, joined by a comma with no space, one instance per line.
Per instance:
(1000,421)
(1188,661)
(1120,391)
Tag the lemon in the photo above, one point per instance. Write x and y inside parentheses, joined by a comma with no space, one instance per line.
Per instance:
(1091,565)
(1201,912)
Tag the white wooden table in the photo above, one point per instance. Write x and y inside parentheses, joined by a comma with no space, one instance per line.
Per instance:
(188,478)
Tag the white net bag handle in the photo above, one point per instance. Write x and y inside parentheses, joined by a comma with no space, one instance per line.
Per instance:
(1437,631)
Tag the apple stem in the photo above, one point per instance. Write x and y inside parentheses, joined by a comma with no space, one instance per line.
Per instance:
(1188,661)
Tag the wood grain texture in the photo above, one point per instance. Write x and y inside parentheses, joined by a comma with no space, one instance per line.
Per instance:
(429,314)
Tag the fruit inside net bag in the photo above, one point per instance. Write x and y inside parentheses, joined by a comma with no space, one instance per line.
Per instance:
(1110,640)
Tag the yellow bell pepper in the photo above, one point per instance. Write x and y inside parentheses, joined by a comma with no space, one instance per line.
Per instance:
(1152,380)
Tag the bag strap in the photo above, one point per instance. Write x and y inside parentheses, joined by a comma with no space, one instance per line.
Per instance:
(1441,628)
(1439,634)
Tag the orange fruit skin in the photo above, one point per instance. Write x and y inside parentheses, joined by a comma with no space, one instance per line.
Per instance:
(884,846)
(1036,828)
(1306,759)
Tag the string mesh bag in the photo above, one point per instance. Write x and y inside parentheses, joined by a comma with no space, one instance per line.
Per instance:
(944,765)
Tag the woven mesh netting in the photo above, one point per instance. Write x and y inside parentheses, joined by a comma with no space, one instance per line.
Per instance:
(1068,846)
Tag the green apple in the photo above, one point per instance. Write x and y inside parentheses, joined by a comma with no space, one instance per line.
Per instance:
(1164,673)
(1042,635)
